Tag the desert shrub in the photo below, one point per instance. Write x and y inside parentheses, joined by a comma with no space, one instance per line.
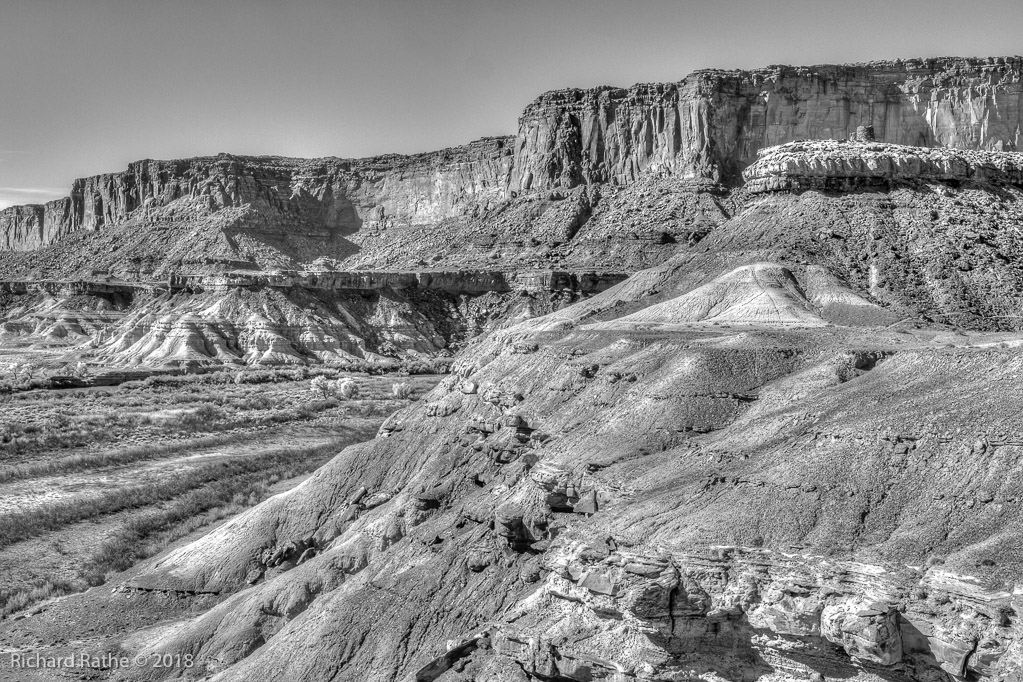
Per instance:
(15,600)
(355,366)
(253,402)
(202,416)
(346,389)
(320,386)
(401,391)
(441,365)
(426,366)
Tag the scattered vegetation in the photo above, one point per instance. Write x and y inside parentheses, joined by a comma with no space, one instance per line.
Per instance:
(148,534)
(27,376)
(18,526)
(49,425)
(246,422)
(346,388)
(401,391)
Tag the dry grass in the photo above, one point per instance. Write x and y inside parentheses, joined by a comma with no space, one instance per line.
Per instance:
(91,461)
(149,533)
(62,432)
(18,526)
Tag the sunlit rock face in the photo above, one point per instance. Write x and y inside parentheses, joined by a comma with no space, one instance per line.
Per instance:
(705,128)
(709,125)
(842,165)
(289,196)
(29,227)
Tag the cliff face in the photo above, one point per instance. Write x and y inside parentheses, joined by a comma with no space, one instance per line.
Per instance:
(292,196)
(29,227)
(710,125)
(705,128)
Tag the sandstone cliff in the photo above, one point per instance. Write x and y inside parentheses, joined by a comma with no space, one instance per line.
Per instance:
(837,165)
(709,125)
(704,129)
(295,196)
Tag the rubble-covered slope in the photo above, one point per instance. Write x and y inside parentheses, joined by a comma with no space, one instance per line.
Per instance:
(619,229)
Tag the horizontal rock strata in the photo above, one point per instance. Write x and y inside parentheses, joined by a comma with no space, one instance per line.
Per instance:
(704,129)
(838,165)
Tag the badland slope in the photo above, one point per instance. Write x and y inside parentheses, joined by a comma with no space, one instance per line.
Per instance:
(787,452)
(785,448)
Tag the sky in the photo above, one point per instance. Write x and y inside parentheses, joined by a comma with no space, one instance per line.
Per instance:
(86,86)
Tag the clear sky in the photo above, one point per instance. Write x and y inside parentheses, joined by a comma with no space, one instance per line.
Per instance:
(89,85)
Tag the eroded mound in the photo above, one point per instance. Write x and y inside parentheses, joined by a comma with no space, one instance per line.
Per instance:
(758,294)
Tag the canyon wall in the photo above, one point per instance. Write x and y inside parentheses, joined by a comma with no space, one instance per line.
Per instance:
(290,196)
(710,125)
(28,227)
(705,129)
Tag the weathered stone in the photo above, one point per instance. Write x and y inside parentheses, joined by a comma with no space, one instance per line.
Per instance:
(587,503)
(868,633)
(598,583)
(377,499)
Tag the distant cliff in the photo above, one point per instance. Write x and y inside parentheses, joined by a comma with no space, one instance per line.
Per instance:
(297,196)
(710,125)
(706,128)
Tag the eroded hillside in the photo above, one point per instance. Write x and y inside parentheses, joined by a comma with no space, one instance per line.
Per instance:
(785,447)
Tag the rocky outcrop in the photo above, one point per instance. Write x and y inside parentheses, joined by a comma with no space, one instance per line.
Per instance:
(847,165)
(805,615)
(311,197)
(710,125)
(337,318)
(33,226)
(758,294)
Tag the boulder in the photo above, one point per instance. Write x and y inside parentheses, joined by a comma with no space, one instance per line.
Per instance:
(868,633)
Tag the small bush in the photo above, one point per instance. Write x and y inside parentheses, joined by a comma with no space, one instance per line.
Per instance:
(321,386)
(401,391)
(346,388)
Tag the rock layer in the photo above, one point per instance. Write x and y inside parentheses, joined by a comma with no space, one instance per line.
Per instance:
(836,165)
(294,196)
(710,125)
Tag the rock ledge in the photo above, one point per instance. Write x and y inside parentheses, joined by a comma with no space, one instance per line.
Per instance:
(843,165)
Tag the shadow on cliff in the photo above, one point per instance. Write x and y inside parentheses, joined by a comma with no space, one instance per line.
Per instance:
(287,249)
(732,649)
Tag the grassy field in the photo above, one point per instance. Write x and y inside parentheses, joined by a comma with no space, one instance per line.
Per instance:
(94,480)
